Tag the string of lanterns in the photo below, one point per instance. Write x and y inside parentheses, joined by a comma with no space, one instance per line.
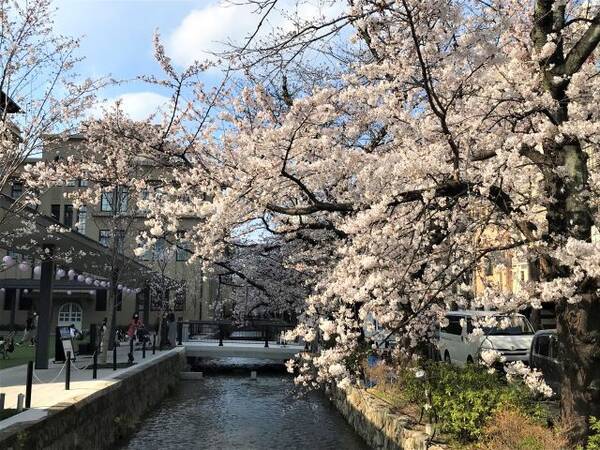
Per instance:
(89,280)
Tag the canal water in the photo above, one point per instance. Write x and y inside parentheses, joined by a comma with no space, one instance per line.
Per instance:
(228,410)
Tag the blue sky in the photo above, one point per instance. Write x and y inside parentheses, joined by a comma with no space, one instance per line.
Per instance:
(117,37)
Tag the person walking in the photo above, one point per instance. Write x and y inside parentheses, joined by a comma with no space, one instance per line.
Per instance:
(103,329)
(172,330)
(30,326)
(134,324)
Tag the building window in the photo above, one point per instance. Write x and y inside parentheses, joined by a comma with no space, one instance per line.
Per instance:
(9,299)
(82,219)
(71,183)
(55,211)
(106,202)
(16,189)
(120,237)
(68,217)
(104,237)
(160,248)
(25,302)
(70,313)
(147,255)
(123,199)
(83,183)
(183,251)
(179,303)
(143,196)
(101,297)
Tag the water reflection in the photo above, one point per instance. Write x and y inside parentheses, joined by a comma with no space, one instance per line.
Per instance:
(230,411)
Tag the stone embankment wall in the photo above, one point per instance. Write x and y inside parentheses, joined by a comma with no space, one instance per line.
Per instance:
(375,422)
(103,418)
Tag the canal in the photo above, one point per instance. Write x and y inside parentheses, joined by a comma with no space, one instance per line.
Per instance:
(228,410)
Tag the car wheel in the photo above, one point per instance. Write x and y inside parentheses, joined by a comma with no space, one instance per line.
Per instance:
(447,357)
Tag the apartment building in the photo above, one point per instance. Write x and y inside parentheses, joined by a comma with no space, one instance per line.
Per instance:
(508,273)
(171,281)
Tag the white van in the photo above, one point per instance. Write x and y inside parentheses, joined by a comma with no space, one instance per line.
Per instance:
(457,347)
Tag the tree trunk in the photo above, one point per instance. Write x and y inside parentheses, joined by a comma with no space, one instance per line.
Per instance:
(159,330)
(578,325)
(108,340)
(578,328)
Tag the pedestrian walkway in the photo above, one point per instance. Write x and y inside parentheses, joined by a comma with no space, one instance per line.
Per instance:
(48,388)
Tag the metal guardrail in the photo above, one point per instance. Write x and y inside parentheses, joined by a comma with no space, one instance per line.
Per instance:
(222,331)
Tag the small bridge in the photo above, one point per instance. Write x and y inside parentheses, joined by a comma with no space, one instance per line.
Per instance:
(222,339)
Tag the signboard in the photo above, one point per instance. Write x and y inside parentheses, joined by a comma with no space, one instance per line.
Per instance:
(64,344)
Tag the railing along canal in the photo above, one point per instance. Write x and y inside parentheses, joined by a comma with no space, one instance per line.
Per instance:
(223,331)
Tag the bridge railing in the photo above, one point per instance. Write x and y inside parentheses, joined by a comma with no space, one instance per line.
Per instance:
(223,331)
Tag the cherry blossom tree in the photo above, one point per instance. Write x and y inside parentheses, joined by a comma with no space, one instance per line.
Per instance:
(117,179)
(39,89)
(261,281)
(403,143)
(443,121)
(164,290)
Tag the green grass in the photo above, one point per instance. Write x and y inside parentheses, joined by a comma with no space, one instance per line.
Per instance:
(23,353)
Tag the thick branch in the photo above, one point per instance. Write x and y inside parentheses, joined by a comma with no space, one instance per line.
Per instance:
(583,48)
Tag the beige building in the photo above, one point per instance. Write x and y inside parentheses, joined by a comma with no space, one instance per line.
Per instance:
(172,282)
(507,273)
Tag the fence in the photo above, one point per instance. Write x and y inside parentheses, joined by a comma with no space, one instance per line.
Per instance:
(220,331)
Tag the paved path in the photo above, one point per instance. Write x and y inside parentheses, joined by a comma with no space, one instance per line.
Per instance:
(48,389)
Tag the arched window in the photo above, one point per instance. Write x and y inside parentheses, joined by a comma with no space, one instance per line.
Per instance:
(70,313)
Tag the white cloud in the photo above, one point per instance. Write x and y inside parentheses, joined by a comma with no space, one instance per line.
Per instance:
(208,30)
(205,30)
(137,105)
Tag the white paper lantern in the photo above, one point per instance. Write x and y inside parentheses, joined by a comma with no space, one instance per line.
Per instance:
(23,267)
(103,284)
(2,289)
(25,291)
(60,273)
(80,278)
(71,273)
(96,283)
(37,270)
(120,286)
(8,260)
(88,280)
(69,292)
(92,292)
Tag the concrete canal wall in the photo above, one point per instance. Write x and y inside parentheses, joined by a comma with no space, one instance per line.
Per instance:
(104,417)
(377,424)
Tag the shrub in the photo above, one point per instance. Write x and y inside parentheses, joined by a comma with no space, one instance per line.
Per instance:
(594,437)
(460,400)
(513,430)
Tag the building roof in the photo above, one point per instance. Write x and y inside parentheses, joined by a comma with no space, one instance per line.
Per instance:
(7,103)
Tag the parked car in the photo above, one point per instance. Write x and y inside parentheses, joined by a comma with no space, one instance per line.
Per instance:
(544,356)
(456,346)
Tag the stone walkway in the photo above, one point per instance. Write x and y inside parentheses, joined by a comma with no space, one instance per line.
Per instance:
(48,388)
